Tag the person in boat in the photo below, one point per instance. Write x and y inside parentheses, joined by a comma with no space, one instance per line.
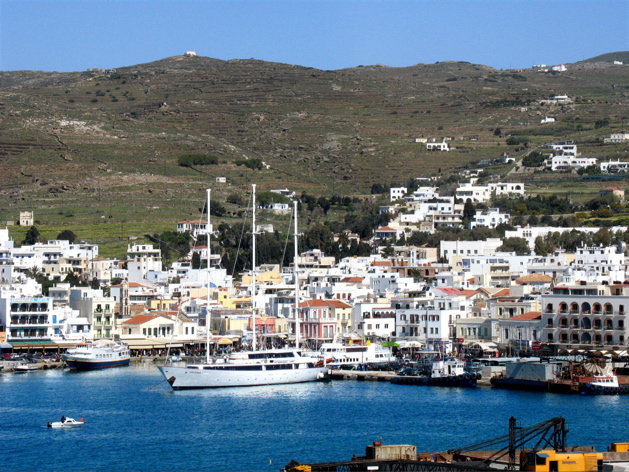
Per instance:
(63,418)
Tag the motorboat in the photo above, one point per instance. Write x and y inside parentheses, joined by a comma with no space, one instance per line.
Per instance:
(66,423)
(26,367)
(98,354)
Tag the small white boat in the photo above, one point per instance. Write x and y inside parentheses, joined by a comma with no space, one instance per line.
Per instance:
(66,423)
(26,368)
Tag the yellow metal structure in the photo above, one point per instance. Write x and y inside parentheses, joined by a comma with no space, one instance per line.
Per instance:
(552,461)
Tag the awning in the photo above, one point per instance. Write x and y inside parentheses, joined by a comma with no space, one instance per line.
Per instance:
(4,345)
(489,347)
(33,342)
(225,341)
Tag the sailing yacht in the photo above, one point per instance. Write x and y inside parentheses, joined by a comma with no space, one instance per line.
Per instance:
(249,368)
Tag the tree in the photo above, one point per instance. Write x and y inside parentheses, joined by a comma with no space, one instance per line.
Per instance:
(518,245)
(542,248)
(196,260)
(469,212)
(67,235)
(32,236)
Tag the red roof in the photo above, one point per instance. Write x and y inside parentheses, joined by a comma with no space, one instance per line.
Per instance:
(354,280)
(381,263)
(140,319)
(505,292)
(313,303)
(324,303)
(386,229)
(451,291)
(338,304)
(531,315)
(469,293)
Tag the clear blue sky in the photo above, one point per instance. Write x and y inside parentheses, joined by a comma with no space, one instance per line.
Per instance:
(75,35)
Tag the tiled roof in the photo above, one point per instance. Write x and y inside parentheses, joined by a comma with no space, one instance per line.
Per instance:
(354,280)
(451,291)
(140,319)
(531,315)
(505,292)
(534,278)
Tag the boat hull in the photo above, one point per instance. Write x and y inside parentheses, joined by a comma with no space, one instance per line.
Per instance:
(557,386)
(83,364)
(465,380)
(181,378)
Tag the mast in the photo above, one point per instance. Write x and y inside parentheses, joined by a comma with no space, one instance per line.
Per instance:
(207,305)
(297,326)
(253,266)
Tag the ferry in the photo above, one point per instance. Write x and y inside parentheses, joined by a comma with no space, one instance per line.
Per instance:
(98,354)
(338,354)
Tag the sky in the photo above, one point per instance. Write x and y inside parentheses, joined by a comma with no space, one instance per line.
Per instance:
(76,35)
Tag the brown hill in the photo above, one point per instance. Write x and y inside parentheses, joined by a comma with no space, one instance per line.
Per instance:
(107,142)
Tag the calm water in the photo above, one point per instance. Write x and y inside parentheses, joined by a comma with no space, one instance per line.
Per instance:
(135,422)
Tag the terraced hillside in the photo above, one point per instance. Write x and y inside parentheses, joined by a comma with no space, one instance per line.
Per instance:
(104,145)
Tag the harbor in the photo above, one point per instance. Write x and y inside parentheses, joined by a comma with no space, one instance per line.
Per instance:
(131,409)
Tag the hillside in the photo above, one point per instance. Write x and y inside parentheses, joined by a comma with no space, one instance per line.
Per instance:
(103,145)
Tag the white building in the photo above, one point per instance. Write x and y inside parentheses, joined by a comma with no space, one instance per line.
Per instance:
(397,193)
(451,249)
(569,162)
(143,258)
(490,218)
(614,167)
(564,147)
(617,138)
(442,146)
(374,320)
(194,227)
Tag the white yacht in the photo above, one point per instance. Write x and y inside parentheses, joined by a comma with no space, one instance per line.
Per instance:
(337,354)
(248,368)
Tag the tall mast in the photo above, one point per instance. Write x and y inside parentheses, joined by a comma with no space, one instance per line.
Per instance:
(253,266)
(207,305)
(297,326)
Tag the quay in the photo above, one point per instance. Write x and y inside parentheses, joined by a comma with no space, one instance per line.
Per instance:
(537,448)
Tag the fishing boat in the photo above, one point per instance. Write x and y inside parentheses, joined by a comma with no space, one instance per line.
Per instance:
(248,368)
(443,372)
(340,355)
(98,354)
(66,423)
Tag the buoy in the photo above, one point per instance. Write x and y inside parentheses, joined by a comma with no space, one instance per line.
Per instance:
(82,419)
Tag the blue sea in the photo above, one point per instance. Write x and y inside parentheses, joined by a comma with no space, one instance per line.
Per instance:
(135,422)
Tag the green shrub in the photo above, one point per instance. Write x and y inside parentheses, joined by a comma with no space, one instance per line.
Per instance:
(255,164)
(188,160)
